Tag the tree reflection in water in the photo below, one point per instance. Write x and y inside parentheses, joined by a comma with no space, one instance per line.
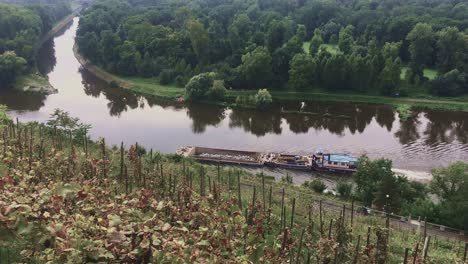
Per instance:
(258,123)
(203,115)
(336,118)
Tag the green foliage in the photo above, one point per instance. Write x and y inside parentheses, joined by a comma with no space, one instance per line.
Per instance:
(199,86)
(10,67)
(422,40)
(317,185)
(302,71)
(344,189)
(204,86)
(346,40)
(4,118)
(368,176)
(263,99)
(217,90)
(20,31)
(451,185)
(252,44)
(452,83)
(316,42)
(256,67)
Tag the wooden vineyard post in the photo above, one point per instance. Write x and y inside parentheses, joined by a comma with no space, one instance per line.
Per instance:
(425,228)
(344,214)
(330,228)
(31,142)
(292,212)
(368,239)
(321,219)
(415,255)
(282,209)
(4,142)
(299,254)
(405,260)
(356,252)
(464,254)
(126,179)
(103,153)
(229,180)
(427,241)
(269,204)
(121,161)
(263,191)
(86,143)
(239,190)
(219,173)
(352,212)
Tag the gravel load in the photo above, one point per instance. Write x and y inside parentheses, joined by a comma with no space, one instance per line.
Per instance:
(228,157)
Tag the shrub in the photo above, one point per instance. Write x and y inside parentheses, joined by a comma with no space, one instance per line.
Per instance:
(317,185)
(345,189)
(263,99)
(452,83)
(217,91)
(197,88)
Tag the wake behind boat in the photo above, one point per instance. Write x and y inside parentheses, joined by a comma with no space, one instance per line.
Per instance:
(326,162)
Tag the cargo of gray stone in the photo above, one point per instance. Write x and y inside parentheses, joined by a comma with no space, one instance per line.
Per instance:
(230,157)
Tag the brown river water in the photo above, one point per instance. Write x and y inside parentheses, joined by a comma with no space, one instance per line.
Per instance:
(431,139)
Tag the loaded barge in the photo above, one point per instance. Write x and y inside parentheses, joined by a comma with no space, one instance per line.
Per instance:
(340,163)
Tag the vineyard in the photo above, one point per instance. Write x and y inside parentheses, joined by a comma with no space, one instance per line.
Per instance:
(67,199)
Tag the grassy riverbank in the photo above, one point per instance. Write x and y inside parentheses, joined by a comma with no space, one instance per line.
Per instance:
(404,105)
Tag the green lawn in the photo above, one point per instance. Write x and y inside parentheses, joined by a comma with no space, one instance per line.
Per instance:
(33,79)
(431,74)
(332,48)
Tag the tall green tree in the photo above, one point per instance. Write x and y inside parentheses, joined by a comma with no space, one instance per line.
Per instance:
(302,71)
(10,67)
(421,47)
(199,39)
(390,76)
(256,67)
(451,186)
(452,49)
(315,42)
(368,177)
(346,40)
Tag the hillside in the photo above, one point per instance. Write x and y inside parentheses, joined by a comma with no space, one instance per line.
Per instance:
(65,198)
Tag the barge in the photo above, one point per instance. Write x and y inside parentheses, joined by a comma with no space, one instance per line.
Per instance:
(213,155)
(339,163)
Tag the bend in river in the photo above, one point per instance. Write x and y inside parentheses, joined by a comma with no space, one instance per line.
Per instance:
(430,139)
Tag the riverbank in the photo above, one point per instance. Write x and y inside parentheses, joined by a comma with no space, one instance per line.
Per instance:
(405,106)
(34,81)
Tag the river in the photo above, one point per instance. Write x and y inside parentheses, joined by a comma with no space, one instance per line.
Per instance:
(430,139)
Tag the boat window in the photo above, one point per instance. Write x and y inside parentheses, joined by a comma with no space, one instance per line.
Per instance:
(335,163)
(343,163)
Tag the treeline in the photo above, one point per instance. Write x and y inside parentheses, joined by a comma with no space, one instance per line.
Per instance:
(258,44)
(378,187)
(21,28)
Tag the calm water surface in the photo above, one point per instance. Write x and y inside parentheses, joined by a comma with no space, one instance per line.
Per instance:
(428,140)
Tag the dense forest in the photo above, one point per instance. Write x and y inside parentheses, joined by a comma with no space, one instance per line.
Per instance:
(375,47)
(21,28)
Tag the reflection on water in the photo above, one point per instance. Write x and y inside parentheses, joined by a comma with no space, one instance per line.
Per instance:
(46,57)
(427,140)
(21,101)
